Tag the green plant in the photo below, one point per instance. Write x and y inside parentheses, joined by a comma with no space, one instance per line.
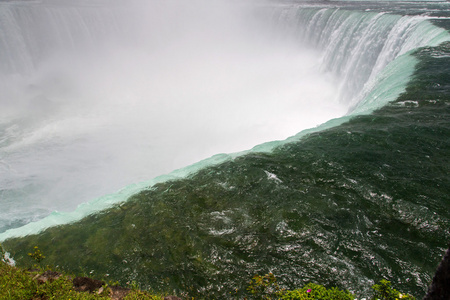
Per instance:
(384,291)
(317,292)
(141,295)
(134,285)
(113,283)
(36,255)
(264,287)
(18,284)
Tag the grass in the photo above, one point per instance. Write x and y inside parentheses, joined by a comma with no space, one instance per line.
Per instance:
(17,283)
(21,284)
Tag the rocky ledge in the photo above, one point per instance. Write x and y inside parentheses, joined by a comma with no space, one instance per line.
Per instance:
(90,285)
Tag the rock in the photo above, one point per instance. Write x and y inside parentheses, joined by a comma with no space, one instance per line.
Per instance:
(49,276)
(100,290)
(85,284)
(118,293)
(440,286)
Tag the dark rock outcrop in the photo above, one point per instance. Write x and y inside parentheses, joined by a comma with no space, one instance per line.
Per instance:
(440,286)
(85,284)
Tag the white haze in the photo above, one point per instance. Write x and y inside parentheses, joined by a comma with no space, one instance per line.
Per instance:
(174,83)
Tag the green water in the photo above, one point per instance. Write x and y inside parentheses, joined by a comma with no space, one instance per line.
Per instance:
(344,207)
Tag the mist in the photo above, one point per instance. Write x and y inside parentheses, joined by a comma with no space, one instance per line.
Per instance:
(97,96)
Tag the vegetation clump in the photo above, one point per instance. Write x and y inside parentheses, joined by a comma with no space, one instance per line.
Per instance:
(44,283)
(266,287)
(36,255)
(384,291)
(318,292)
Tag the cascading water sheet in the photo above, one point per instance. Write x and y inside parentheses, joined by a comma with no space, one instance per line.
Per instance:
(99,97)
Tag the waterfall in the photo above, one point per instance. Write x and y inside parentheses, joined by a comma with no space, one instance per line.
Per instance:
(77,80)
(358,46)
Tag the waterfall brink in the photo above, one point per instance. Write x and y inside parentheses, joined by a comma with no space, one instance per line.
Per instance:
(102,96)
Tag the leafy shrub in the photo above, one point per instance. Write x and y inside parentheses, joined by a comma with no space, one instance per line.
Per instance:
(264,287)
(317,292)
(384,291)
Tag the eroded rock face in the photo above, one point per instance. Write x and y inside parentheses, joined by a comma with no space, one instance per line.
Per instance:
(440,286)
(85,284)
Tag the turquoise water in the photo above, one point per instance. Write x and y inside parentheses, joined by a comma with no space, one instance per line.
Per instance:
(363,197)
